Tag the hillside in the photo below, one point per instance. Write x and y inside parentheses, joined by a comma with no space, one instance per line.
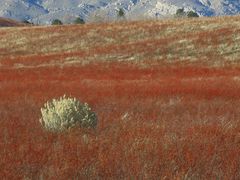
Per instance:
(4,22)
(210,41)
(44,11)
(166,94)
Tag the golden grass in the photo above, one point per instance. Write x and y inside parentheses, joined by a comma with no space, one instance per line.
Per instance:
(211,41)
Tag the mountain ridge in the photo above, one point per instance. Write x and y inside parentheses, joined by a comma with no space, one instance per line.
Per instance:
(44,11)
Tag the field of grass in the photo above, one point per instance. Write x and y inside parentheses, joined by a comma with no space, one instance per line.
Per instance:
(166,93)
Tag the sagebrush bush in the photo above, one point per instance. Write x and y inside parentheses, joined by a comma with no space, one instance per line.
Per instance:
(65,113)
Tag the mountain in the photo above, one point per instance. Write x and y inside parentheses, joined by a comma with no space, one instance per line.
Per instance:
(44,11)
(21,9)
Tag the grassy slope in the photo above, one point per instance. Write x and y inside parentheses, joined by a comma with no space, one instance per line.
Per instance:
(166,94)
(208,41)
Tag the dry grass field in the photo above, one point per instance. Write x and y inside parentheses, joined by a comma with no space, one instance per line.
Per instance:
(166,93)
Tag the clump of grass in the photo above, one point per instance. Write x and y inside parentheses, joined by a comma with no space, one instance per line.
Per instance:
(65,113)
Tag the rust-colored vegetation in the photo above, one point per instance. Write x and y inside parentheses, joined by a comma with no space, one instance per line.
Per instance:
(166,94)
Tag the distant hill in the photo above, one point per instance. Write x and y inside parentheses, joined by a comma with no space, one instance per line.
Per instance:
(44,11)
(5,22)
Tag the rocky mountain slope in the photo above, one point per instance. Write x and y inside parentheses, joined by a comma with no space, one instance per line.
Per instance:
(44,11)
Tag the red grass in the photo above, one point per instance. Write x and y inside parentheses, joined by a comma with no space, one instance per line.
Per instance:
(160,117)
(176,125)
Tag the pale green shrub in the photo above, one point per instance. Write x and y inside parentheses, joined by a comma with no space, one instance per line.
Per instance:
(65,113)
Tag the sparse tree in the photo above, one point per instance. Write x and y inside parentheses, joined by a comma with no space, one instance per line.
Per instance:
(192,14)
(79,21)
(180,12)
(120,13)
(56,22)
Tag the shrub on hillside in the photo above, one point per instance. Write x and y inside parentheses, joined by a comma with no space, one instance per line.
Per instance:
(180,12)
(192,14)
(56,22)
(65,113)
(120,13)
(79,21)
